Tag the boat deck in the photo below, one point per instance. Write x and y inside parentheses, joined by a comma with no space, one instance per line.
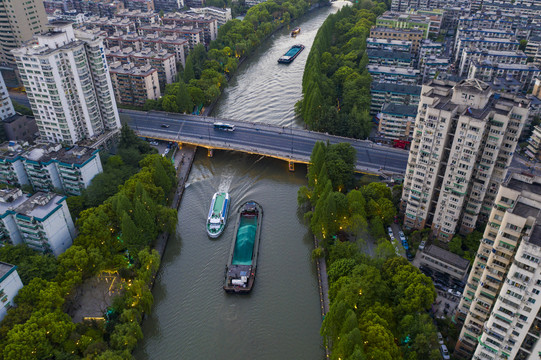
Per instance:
(244,245)
(218,204)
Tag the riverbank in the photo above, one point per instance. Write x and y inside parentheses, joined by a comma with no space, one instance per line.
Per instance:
(323,282)
(183,161)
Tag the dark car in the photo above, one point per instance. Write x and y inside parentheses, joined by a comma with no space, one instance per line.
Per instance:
(164,126)
(409,256)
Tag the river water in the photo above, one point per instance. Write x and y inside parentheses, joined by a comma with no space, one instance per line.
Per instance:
(192,317)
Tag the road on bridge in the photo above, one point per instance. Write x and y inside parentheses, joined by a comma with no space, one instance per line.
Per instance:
(269,140)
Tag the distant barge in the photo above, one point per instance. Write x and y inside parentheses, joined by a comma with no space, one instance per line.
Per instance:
(291,54)
(241,267)
(295,31)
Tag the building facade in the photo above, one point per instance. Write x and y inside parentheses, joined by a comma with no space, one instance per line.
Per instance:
(463,142)
(500,307)
(10,284)
(397,121)
(385,93)
(68,85)
(134,85)
(19,21)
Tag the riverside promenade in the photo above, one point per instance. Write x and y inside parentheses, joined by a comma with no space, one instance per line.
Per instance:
(321,267)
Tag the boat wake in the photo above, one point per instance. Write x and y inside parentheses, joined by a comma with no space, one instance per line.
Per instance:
(226,180)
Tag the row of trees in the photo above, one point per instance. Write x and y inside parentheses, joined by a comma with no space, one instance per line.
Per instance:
(336,83)
(378,306)
(115,235)
(205,73)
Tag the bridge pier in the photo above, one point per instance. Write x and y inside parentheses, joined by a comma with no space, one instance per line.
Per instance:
(291,166)
(210,152)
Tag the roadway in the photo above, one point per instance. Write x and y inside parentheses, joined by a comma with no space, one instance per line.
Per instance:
(284,143)
(369,154)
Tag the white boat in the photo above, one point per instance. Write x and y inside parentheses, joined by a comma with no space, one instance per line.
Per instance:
(217,214)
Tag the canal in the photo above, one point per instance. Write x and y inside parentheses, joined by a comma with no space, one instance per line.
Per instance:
(192,317)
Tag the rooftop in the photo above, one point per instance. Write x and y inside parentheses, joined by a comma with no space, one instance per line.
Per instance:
(39,205)
(10,199)
(535,235)
(399,109)
(519,185)
(447,257)
(5,269)
(396,88)
(388,54)
(525,210)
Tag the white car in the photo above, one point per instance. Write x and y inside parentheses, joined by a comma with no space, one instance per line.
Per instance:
(166,151)
(440,339)
(402,236)
(155,143)
(422,245)
(390,231)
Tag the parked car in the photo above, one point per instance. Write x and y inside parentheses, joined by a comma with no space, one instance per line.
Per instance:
(402,236)
(440,338)
(422,245)
(155,143)
(165,126)
(409,256)
(390,232)
(444,352)
(166,151)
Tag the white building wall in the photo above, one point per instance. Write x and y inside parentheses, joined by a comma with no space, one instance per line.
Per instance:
(59,229)
(91,169)
(22,176)
(10,287)
(11,227)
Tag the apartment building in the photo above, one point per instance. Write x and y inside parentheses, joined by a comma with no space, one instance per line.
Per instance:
(140,5)
(171,43)
(45,223)
(430,48)
(168,5)
(134,85)
(6,107)
(445,262)
(533,150)
(393,74)
(413,35)
(20,128)
(388,45)
(432,67)
(385,93)
(140,17)
(106,8)
(429,24)
(68,85)
(10,284)
(487,71)
(396,121)
(19,21)
(221,15)
(463,142)
(193,36)
(483,43)
(500,307)
(50,167)
(533,49)
(162,61)
(111,25)
(494,56)
(389,58)
(452,14)
(208,24)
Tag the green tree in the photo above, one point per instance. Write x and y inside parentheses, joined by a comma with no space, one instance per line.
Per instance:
(184,100)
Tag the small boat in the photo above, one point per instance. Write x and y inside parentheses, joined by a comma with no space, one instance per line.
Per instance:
(291,54)
(241,267)
(295,31)
(217,214)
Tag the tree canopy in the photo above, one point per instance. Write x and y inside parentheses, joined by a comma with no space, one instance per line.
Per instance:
(336,84)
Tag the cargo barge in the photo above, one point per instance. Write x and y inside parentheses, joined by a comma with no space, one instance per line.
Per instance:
(217,217)
(291,54)
(242,263)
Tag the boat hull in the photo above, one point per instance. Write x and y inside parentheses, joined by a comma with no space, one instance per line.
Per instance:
(217,217)
(286,59)
(241,267)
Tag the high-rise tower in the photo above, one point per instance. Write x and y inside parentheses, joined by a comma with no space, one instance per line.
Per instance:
(68,84)
(463,143)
